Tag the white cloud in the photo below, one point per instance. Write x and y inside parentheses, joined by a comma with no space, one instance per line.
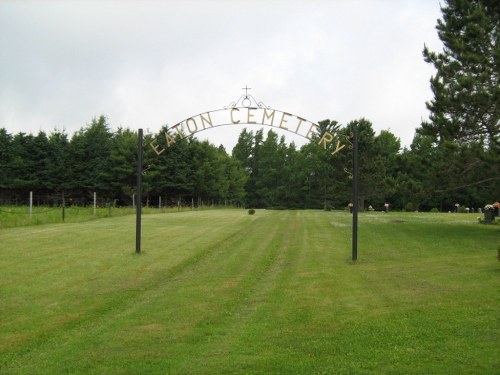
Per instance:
(144,64)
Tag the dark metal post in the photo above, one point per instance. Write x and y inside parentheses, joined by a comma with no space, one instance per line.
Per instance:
(355,195)
(138,195)
(63,207)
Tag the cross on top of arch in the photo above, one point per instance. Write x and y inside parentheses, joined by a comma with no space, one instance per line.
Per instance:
(246,88)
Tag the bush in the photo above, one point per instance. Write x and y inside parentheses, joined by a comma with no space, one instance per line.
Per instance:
(434,210)
(411,207)
(327,207)
(462,210)
(251,211)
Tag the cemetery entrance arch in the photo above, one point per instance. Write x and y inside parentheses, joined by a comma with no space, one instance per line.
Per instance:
(249,111)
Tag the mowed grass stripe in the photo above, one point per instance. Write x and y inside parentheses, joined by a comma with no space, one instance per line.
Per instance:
(261,340)
(230,287)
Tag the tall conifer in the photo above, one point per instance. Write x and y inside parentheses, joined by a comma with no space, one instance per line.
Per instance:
(466,104)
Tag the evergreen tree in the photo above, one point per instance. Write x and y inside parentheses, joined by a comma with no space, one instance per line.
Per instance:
(466,87)
(23,164)
(253,198)
(386,148)
(237,178)
(90,164)
(123,160)
(6,176)
(170,174)
(372,173)
(323,176)
(209,165)
(243,149)
(58,171)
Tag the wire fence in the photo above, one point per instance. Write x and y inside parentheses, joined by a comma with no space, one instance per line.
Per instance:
(15,216)
(21,215)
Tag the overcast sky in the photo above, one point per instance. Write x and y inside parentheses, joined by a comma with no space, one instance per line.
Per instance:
(144,64)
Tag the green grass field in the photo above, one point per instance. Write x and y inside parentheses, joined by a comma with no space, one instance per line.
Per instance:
(223,292)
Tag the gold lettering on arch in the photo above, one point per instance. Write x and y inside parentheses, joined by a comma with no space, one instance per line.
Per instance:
(269,117)
(206,120)
(254,115)
(193,122)
(251,115)
(232,118)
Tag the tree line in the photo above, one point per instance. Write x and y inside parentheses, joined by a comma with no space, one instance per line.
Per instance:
(262,171)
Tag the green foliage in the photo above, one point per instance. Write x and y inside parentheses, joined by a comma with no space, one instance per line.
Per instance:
(465,112)
(91,163)
(434,210)
(464,122)
(251,211)
(263,172)
(466,86)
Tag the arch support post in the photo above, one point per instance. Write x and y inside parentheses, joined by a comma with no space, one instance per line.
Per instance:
(355,194)
(138,195)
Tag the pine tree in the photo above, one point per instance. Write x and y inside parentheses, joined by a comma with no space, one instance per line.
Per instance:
(6,175)
(466,87)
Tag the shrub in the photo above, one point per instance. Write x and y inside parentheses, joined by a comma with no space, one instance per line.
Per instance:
(411,207)
(251,211)
(434,210)
(327,207)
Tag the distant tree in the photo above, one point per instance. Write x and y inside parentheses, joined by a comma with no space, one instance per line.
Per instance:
(387,149)
(372,171)
(123,161)
(209,167)
(253,198)
(170,174)
(24,165)
(419,168)
(237,178)
(325,183)
(268,165)
(243,149)
(293,177)
(6,155)
(330,126)
(91,165)
(58,170)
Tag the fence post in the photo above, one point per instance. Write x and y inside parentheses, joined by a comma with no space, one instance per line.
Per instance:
(63,206)
(95,203)
(31,204)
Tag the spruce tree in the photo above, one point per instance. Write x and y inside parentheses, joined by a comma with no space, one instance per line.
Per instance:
(466,88)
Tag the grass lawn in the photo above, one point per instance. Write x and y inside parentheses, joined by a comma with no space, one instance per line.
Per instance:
(223,292)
